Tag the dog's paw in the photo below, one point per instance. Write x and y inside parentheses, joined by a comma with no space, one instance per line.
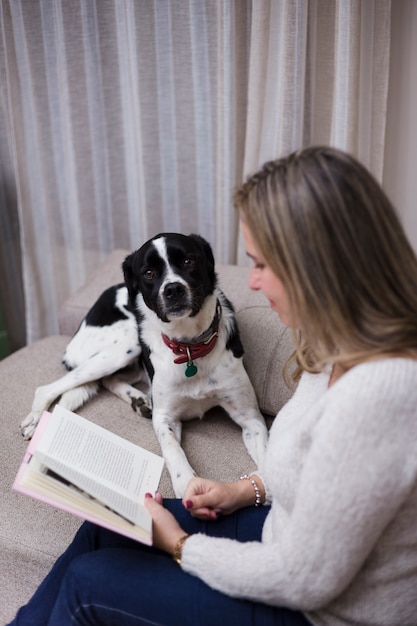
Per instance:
(28,425)
(143,406)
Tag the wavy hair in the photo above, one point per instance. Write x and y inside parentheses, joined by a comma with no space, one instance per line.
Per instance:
(329,232)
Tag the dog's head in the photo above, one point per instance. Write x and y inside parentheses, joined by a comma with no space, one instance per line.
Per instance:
(173,272)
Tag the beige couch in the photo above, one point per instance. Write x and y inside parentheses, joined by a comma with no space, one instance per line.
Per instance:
(33,534)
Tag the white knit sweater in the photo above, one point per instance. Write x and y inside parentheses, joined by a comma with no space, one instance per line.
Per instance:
(340,541)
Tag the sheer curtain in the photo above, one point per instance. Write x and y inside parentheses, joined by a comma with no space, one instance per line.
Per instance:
(124,118)
(318,74)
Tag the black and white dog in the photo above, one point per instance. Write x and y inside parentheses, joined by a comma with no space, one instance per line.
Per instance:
(171,318)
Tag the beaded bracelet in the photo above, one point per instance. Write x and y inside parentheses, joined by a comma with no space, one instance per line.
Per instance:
(258,498)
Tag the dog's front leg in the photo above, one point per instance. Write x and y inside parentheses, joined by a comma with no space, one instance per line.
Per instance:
(254,433)
(243,410)
(168,432)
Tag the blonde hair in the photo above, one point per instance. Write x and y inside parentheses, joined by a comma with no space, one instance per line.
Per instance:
(328,231)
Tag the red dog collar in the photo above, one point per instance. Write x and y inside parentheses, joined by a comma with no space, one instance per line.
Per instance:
(190,351)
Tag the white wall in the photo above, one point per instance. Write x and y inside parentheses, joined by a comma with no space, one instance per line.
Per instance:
(400,167)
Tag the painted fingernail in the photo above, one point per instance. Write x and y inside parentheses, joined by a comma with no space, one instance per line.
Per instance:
(189,504)
(148,495)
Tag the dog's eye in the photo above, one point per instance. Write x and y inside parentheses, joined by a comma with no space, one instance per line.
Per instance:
(149,274)
(188,262)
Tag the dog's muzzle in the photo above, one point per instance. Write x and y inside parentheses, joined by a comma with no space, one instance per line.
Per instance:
(176,300)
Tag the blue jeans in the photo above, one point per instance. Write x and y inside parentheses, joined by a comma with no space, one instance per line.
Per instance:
(108,580)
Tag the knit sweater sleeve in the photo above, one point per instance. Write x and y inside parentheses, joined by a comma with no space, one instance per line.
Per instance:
(359,465)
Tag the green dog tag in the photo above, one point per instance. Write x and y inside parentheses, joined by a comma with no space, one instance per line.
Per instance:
(190,370)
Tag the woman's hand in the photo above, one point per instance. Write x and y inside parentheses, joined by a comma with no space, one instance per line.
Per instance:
(166,530)
(207,499)
(203,498)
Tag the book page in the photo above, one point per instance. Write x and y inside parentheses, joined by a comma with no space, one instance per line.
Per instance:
(34,482)
(110,468)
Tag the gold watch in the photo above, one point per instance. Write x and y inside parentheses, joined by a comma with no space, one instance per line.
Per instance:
(177,554)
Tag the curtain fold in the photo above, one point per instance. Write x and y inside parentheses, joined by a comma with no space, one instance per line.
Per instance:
(12,300)
(318,75)
(126,118)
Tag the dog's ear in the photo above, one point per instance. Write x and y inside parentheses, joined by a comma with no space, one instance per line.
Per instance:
(129,276)
(206,248)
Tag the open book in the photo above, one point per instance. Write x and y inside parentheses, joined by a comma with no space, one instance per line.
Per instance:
(82,468)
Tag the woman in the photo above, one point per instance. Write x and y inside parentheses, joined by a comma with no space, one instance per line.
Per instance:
(336,540)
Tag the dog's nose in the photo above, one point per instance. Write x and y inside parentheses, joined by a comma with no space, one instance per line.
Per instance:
(172,291)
